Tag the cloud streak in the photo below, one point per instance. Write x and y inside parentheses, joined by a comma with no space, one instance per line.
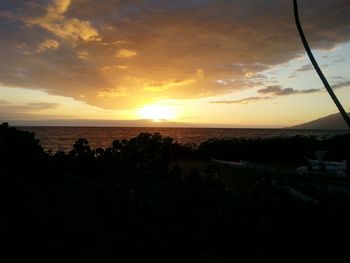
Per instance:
(342,84)
(272,92)
(14,111)
(304,68)
(242,101)
(126,53)
(277,90)
(48,44)
(40,106)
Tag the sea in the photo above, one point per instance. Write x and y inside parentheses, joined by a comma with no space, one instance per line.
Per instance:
(63,138)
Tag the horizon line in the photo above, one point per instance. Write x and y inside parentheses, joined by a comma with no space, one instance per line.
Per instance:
(140,123)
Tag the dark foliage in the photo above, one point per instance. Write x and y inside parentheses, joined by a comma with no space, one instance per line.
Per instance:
(18,145)
(124,203)
(281,149)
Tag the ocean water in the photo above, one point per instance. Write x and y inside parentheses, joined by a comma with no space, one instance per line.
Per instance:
(54,138)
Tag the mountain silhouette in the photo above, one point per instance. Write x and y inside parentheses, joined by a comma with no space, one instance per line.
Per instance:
(330,122)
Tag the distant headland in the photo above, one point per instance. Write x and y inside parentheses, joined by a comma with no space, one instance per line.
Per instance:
(330,122)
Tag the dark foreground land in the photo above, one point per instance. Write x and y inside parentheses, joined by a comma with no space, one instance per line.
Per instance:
(132,202)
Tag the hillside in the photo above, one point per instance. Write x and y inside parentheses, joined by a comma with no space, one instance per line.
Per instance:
(331,122)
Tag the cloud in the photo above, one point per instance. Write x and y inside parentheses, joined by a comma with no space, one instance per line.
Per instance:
(41,105)
(159,87)
(339,60)
(277,90)
(292,76)
(274,91)
(209,47)
(47,44)
(249,74)
(338,78)
(84,55)
(200,72)
(4,102)
(270,89)
(71,29)
(7,107)
(10,111)
(126,53)
(304,68)
(242,101)
(342,84)
(122,67)
(113,69)
(113,93)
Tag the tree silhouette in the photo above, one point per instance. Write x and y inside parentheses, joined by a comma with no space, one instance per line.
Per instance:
(317,68)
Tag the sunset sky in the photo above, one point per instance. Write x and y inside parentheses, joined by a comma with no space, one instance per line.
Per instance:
(223,63)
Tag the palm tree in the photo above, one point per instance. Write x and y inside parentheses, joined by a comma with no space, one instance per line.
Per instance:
(317,68)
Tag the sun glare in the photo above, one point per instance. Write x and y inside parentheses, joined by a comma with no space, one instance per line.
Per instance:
(157,112)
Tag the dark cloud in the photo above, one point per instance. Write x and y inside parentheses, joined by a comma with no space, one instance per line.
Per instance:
(180,49)
(291,91)
(29,106)
(242,101)
(274,91)
(4,102)
(338,78)
(271,89)
(306,67)
(277,90)
(339,60)
(308,91)
(292,76)
(259,77)
(41,105)
(342,84)
(9,111)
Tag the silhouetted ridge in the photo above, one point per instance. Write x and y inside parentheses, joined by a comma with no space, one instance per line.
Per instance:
(133,201)
(330,122)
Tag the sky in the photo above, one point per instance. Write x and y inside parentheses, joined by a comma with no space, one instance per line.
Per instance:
(210,63)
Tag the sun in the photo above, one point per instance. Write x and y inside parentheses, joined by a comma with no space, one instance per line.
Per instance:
(157,112)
